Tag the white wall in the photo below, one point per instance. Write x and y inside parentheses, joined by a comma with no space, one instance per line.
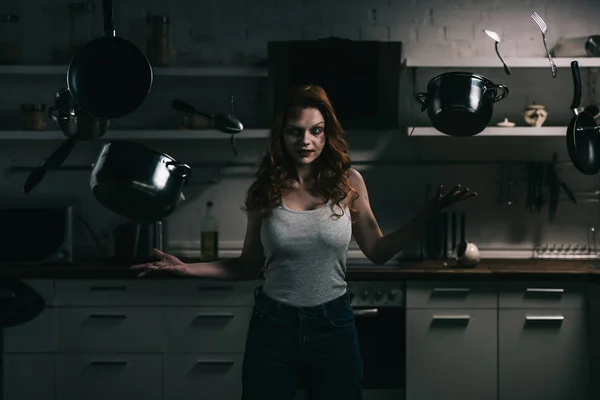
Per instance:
(235,32)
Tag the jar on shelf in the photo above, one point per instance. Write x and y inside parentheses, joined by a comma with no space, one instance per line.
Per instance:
(10,33)
(34,117)
(158,40)
(81,24)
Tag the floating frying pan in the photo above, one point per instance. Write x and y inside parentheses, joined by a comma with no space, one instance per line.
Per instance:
(582,133)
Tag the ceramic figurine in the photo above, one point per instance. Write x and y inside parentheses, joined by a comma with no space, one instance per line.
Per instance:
(535,115)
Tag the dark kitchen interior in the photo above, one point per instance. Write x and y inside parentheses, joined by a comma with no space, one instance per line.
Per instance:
(498,300)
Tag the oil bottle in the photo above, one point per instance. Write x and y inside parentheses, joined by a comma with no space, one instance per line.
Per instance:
(209,235)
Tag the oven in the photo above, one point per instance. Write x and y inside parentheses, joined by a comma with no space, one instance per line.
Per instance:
(379,308)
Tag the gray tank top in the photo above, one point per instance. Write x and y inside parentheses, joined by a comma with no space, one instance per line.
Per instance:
(306,253)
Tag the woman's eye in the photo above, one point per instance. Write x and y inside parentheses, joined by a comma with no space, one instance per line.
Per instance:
(316,131)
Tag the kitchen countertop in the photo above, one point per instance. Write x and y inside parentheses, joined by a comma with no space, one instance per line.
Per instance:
(405,270)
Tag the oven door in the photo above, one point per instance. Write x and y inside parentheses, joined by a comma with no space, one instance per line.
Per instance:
(381,332)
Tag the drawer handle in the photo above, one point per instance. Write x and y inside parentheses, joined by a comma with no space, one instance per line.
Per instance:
(218,288)
(108,362)
(108,316)
(107,288)
(366,312)
(544,290)
(451,290)
(214,315)
(214,362)
(462,317)
(545,318)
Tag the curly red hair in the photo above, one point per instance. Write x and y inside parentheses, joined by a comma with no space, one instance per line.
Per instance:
(276,170)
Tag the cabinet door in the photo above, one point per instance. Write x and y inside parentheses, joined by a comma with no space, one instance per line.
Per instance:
(28,376)
(542,355)
(594,329)
(451,354)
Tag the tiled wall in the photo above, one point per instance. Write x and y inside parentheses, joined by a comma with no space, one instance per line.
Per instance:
(235,32)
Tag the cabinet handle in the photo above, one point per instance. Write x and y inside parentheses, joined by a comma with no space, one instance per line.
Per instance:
(108,316)
(215,288)
(108,362)
(214,315)
(214,362)
(107,288)
(546,318)
(366,312)
(451,290)
(544,290)
(460,317)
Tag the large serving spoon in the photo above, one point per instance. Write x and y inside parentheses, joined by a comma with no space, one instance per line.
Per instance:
(496,38)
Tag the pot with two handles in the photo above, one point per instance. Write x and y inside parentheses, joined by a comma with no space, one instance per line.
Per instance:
(460,103)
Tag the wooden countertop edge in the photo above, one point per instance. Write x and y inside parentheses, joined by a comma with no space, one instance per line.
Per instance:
(573,269)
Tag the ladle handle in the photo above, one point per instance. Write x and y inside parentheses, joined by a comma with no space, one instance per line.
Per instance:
(186,108)
(576,86)
(54,161)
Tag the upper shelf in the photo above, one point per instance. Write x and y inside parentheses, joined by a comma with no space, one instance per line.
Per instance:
(138,134)
(517,131)
(222,71)
(538,62)
(229,71)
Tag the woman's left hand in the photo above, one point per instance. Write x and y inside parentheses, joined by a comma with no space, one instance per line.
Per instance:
(455,195)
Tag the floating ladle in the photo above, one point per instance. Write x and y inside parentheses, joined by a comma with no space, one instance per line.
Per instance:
(496,38)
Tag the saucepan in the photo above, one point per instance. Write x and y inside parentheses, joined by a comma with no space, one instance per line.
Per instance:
(138,182)
(461,103)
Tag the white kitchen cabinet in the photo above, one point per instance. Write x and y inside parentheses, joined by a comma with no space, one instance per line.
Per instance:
(593,321)
(108,376)
(451,354)
(542,341)
(28,376)
(202,376)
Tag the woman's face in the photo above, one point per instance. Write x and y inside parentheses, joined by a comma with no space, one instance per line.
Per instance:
(304,135)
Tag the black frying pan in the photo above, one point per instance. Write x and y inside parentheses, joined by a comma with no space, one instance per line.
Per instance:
(109,77)
(582,133)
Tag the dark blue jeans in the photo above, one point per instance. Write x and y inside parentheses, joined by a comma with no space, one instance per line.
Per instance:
(311,347)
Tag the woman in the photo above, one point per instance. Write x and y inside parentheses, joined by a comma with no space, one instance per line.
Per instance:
(302,209)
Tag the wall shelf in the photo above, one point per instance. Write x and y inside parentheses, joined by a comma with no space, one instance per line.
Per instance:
(213,71)
(538,62)
(516,131)
(136,134)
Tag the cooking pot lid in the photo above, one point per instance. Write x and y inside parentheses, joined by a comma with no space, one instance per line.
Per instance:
(586,144)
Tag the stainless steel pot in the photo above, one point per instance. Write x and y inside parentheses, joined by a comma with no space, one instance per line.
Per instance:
(460,103)
(137,182)
(72,120)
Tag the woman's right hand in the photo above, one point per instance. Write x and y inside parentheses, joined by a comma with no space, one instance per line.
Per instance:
(167,263)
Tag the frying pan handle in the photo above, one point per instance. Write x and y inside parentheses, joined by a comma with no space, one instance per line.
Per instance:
(576,86)
(422,98)
(54,161)
(107,11)
(502,89)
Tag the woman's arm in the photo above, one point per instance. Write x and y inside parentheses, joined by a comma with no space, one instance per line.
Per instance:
(379,248)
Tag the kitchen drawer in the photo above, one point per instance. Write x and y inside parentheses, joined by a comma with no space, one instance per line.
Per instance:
(205,329)
(451,294)
(115,329)
(45,288)
(540,294)
(36,336)
(28,376)
(108,292)
(209,293)
(108,376)
(202,376)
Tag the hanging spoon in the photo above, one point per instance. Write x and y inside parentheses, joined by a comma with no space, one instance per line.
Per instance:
(496,38)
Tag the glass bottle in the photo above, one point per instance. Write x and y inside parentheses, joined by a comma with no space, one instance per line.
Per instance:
(10,45)
(82,24)
(209,235)
(158,40)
